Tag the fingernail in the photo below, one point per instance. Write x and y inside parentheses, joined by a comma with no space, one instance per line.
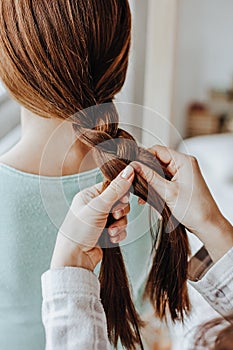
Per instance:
(118,214)
(113,231)
(125,199)
(127,172)
(116,240)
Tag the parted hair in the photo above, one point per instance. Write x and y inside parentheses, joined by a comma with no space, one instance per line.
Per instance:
(58,59)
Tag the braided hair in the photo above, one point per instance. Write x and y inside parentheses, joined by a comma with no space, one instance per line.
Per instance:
(57,59)
(166,284)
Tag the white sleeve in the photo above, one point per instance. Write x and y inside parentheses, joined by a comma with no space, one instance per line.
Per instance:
(72,312)
(216,285)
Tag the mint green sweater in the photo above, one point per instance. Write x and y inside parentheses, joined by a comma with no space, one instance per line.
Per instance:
(32,208)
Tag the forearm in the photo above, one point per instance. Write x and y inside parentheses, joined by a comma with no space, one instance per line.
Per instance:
(72,312)
(69,254)
(217,236)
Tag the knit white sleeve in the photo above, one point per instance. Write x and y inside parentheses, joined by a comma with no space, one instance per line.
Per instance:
(216,286)
(72,312)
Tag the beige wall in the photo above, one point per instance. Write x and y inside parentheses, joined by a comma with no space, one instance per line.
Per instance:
(204,53)
(159,74)
(133,91)
(150,76)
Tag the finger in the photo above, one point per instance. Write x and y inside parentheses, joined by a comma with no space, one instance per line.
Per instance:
(125,199)
(141,201)
(116,190)
(117,227)
(158,183)
(120,210)
(162,153)
(173,159)
(121,237)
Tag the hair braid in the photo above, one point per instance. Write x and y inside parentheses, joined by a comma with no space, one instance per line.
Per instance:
(166,285)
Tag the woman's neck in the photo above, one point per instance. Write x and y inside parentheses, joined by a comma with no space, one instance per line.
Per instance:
(48,147)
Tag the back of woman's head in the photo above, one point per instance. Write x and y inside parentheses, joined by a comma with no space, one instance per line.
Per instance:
(58,58)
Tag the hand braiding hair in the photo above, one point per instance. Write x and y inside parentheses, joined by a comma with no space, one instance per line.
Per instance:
(59,58)
(166,284)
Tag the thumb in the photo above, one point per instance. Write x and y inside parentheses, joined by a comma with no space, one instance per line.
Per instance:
(116,190)
(159,184)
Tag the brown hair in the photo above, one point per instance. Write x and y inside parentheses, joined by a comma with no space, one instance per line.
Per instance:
(61,57)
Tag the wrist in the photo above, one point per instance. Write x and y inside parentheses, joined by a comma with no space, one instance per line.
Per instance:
(70,254)
(217,236)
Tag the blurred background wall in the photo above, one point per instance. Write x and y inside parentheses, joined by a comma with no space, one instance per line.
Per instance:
(134,87)
(151,70)
(204,53)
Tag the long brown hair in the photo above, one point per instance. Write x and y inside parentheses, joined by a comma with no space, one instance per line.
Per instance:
(58,58)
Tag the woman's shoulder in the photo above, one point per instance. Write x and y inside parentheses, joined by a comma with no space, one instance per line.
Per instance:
(8,170)
(13,179)
(4,170)
(15,161)
(17,165)
(12,185)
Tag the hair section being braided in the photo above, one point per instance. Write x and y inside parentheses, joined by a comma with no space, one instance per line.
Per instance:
(166,285)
